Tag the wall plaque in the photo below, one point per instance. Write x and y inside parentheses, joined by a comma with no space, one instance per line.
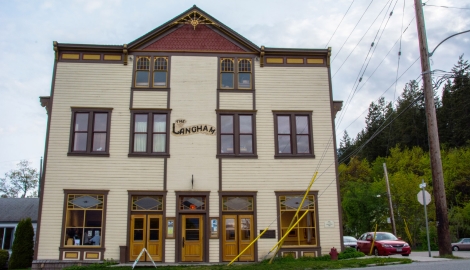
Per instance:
(268,234)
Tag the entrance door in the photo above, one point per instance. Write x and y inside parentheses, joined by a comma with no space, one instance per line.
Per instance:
(146,233)
(237,234)
(192,238)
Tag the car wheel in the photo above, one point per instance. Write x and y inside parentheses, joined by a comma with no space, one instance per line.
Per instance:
(405,255)
(455,248)
(357,249)
(376,252)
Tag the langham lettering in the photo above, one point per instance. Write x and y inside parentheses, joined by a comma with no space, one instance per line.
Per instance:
(179,130)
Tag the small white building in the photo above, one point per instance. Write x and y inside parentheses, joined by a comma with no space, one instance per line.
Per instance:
(12,211)
(188,141)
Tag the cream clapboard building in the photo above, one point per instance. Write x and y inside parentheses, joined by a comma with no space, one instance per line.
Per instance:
(188,141)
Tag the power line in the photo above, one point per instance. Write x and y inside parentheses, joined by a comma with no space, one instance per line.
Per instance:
(326,46)
(386,91)
(353,30)
(424,5)
(359,41)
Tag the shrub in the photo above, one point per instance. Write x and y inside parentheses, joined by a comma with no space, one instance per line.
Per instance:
(4,258)
(349,253)
(22,250)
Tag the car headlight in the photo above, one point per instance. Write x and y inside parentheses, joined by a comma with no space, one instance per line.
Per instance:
(387,246)
(406,245)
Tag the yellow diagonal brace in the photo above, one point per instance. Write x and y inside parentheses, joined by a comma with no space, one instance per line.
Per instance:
(373,240)
(256,239)
(408,232)
(287,233)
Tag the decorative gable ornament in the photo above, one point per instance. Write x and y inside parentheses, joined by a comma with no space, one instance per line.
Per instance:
(194,18)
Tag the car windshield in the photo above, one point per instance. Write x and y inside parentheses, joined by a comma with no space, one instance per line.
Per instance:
(349,239)
(385,236)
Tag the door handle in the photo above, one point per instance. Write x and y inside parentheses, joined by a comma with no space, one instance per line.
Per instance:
(183,241)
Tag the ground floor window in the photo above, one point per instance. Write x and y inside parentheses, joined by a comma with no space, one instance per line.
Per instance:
(84,219)
(305,232)
(6,237)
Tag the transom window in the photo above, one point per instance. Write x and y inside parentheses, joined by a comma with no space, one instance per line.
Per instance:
(193,203)
(157,66)
(293,134)
(84,220)
(230,203)
(149,133)
(237,134)
(90,131)
(235,73)
(304,233)
(147,203)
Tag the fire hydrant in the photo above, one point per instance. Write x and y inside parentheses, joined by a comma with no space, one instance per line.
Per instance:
(334,254)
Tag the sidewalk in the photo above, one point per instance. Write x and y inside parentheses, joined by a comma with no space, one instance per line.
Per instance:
(423,256)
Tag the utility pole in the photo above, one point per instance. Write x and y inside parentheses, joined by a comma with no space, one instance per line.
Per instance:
(390,206)
(443,234)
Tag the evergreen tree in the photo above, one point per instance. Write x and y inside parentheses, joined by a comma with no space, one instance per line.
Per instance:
(23,246)
(410,125)
(455,113)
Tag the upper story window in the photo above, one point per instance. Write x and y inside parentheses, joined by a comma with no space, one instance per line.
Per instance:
(244,73)
(293,133)
(90,131)
(157,66)
(236,134)
(142,72)
(150,131)
(160,71)
(236,73)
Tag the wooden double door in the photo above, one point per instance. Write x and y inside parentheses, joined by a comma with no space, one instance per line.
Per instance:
(237,234)
(146,232)
(192,236)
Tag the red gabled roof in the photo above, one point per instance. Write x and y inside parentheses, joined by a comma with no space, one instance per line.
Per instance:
(188,38)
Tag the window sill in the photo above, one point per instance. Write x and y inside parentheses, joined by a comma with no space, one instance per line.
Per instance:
(237,156)
(148,155)
(235,90)
(146,88)
(88,154)
(294,156)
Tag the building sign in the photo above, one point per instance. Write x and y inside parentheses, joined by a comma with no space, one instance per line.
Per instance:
(180,130)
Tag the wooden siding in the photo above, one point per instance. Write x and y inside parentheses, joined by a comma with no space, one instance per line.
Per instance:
(93,85)
(235,101)
(193,98)
(289,88)
(193,155)
(149,99)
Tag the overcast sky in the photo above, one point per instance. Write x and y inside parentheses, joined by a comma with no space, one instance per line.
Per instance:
(28,29)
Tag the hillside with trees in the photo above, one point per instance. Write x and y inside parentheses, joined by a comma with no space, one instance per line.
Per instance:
(396,134)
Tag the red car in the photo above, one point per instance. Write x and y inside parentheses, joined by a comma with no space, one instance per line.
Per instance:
(385,244)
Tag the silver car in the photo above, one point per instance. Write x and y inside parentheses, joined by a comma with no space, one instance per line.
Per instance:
(349,241)
(462,244)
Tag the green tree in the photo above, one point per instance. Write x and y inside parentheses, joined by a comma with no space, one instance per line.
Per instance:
(410,126)
(22,250)
(22,182)
(454,116)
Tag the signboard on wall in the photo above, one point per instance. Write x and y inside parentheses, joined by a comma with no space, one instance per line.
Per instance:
(180,130)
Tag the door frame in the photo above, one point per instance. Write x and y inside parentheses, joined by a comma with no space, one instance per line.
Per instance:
(131,193)
(254,213)
(206,229)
